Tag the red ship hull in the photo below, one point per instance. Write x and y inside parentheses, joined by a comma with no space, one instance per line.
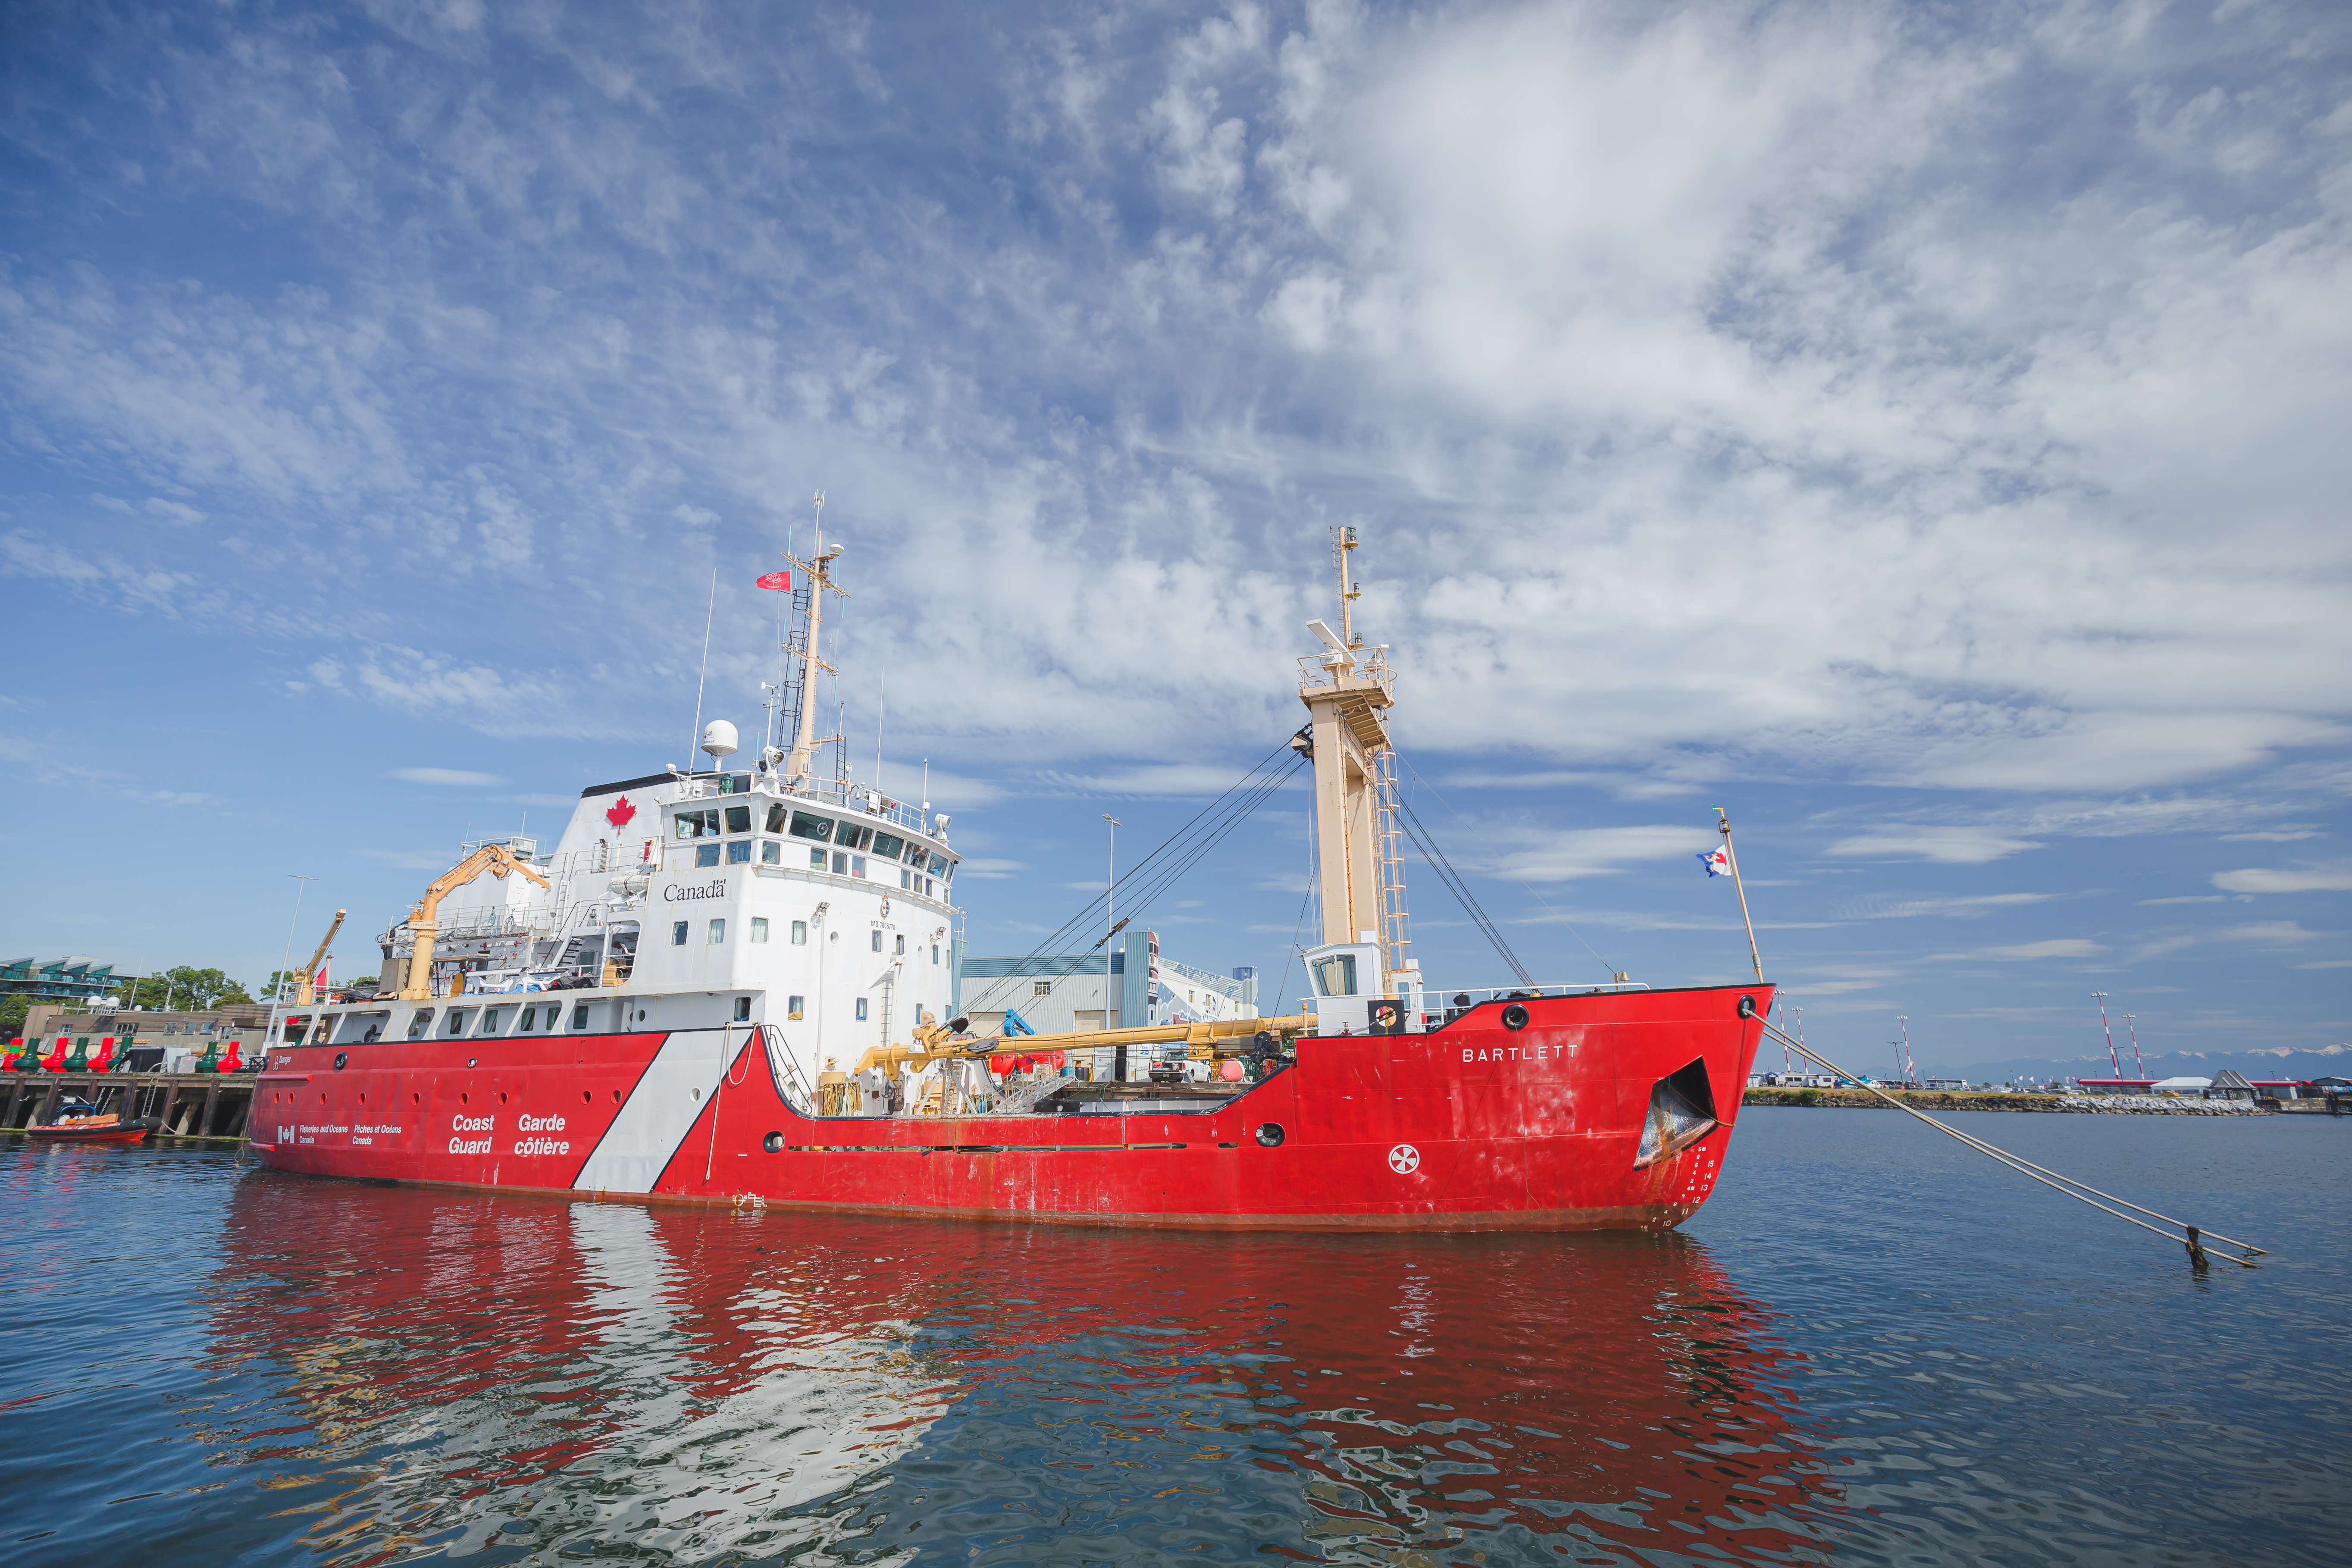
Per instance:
(1476,1126)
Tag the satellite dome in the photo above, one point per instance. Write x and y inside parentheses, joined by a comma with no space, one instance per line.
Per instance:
(719,738)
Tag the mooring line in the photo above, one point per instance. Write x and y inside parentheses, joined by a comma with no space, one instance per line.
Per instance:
(2048,1178)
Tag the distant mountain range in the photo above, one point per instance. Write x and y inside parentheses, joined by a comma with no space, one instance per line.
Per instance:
(2270,1062)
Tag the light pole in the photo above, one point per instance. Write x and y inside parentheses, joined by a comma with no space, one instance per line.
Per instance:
(278,995)
(2139,1066)
(1910,1069)
(1110,912)
(2114,1060)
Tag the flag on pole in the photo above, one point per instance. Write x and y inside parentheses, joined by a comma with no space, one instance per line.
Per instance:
(780,581)
(1717,863)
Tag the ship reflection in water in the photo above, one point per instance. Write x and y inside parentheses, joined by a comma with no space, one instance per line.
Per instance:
(448,1371)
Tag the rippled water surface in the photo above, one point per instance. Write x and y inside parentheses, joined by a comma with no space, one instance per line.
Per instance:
(1871,1347)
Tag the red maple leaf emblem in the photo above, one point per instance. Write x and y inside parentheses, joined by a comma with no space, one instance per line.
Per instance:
(621,813)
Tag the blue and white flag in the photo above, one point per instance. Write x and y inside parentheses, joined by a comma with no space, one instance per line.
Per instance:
(1718,862)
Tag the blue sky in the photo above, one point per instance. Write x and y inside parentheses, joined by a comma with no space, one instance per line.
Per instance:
(1918,429)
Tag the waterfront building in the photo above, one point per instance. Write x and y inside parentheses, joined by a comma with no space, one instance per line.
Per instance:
(1058,993)
(2230,1084)
(77,977)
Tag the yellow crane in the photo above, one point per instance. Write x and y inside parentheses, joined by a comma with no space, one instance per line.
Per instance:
(305,991)
(500,861)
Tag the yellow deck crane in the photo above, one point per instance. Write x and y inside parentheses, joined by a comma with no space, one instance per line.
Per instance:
(500,861)
(305,989)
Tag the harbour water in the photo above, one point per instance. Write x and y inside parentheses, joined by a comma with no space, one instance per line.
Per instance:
(1871,1347)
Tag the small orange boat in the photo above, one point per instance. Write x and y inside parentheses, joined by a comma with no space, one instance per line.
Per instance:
(88,1128)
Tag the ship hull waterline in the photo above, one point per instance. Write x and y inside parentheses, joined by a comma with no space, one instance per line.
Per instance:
(1474,1126)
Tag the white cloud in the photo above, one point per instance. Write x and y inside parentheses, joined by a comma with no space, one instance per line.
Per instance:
(2308,879)
(1966,906)
(453,776)
(411,859)
(2061,947)
(1950,846)
(2272,933)
(1601,851)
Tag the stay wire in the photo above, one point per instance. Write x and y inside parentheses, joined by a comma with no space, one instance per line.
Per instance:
(1455,884)
(1524,886)
(1085,914)
(2025,1167)
(1166,877)
(1250,785)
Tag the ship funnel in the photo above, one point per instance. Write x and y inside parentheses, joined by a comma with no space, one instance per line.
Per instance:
(719,738)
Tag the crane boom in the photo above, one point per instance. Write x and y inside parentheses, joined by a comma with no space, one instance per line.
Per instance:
(305,990)
(498,861)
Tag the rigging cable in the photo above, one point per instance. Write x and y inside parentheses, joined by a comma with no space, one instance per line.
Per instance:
(1524,885)
(1427,845)
(1251,786)
(2048,1178)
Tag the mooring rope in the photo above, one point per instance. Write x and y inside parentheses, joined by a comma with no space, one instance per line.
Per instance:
(2048,1178)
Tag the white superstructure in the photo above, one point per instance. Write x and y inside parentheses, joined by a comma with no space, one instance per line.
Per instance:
(765,895)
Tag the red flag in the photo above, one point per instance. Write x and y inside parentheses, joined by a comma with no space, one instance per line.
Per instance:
(780,581)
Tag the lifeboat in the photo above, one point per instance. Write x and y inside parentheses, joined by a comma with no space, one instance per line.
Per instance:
(88,1128)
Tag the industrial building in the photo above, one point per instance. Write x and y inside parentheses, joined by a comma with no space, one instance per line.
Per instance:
(1057,993)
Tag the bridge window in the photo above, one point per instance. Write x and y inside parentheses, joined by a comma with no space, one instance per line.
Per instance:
(771,852)
(1335,975)
(857,865)
(738,853)
(888,844)
(699,824)
(849,835)
(816,859)
(706,854)
(817,830)
(738,819)
(777,817)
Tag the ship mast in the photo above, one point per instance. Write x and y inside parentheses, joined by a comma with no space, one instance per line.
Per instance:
(1348,693)
(819,573)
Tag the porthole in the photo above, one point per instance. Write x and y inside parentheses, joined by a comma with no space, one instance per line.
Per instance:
(1515,1016)
(1748,1007)
(341,1058)
(586,1097)
(774,1142)
(469,1061)
(1270,1134)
